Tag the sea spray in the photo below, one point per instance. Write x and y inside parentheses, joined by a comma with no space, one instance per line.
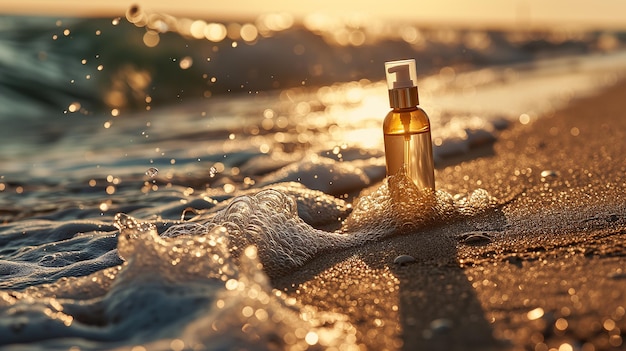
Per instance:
(197,257)
(398,206)
(245,302)
(209,300)
(315,207)
(270,220)
(253,316)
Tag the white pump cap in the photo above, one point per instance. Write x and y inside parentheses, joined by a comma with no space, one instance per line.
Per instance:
(401,74)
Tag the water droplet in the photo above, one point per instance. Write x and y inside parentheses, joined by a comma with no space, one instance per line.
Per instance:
(212,172)
(186,62)
(524,118)
(561,324)
(403,260)
(535,314)
(549,173)
(74,106)
(152,172)
(311,338)
(229,188)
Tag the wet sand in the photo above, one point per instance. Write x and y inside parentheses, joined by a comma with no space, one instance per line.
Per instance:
(545,270)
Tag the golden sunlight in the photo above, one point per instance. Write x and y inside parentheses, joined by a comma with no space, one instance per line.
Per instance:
(600,14)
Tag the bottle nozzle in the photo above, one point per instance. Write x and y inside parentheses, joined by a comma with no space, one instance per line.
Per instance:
(401,78)
(401,74)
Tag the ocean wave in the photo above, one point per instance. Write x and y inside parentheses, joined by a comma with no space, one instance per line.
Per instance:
(57,65)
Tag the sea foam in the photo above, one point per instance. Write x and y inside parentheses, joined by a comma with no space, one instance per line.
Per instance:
(270,219)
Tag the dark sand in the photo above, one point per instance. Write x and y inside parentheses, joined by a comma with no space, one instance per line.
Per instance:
(548,271)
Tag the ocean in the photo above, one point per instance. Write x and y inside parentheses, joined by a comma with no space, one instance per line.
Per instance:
(156,173)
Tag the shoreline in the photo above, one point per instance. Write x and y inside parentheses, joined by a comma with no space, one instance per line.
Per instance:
(547,272)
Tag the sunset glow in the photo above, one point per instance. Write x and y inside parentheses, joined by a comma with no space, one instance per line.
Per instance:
(600,14)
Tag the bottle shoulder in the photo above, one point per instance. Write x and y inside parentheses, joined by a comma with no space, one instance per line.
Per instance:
(406,121)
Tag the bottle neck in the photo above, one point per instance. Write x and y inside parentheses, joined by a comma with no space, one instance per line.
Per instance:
(401,98)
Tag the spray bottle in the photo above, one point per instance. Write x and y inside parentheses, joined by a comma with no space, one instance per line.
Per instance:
(406,127)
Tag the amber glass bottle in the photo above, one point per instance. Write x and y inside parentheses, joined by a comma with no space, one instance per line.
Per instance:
(406,127)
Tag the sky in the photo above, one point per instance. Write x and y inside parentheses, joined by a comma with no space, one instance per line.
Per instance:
(568,13)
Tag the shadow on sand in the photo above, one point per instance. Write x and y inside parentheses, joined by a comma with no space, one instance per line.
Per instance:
(433,307)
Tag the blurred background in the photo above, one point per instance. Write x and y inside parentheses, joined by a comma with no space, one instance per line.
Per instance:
(85,80)
(89,57)
(478,13)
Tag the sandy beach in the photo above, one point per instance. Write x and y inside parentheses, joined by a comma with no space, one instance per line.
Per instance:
(545,270)
(200,184)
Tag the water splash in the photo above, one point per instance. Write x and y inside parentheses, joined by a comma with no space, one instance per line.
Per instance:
(152,172)
(269,219)
(400,207)
(201,256)
(245,303)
